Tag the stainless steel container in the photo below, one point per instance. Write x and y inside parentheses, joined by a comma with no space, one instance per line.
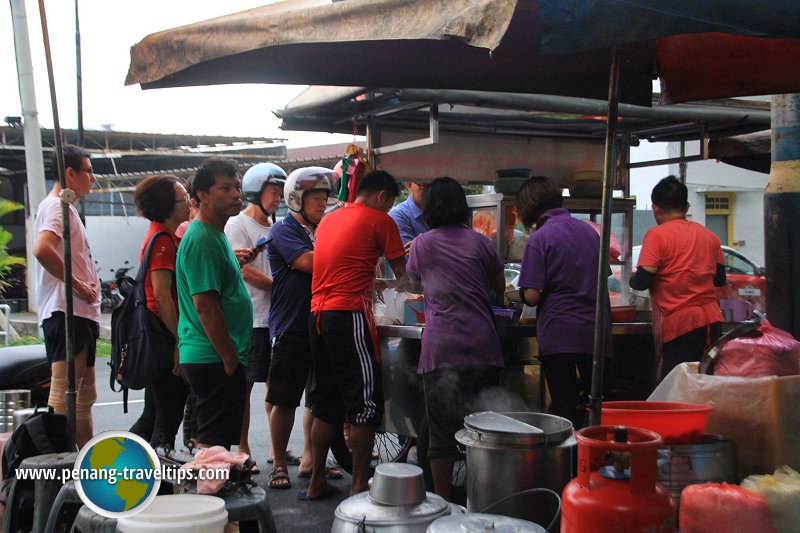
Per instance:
(511,452)
(21,415)
(10,401)
(483,523)
(395,503)
(713,459)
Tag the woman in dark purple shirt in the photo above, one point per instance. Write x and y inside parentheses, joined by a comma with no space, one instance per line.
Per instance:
(459,271)
(559,276)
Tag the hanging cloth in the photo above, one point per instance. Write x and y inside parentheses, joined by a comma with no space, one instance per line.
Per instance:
(354,166)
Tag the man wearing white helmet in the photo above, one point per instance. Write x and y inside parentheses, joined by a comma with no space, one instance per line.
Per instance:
(262,186)
(291,254)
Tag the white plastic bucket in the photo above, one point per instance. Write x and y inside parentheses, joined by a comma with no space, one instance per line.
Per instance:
(178,513)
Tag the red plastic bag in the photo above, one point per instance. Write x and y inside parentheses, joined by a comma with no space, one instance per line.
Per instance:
(773,352)
(718,507)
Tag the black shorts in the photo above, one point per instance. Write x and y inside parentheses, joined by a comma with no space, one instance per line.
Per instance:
(451,394)
(85,334)
(219,403)
(347,377)
(258,357)
(289,368)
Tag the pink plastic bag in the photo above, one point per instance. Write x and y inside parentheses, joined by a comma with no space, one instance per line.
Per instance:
(718,507)
(773,353)
(614,248)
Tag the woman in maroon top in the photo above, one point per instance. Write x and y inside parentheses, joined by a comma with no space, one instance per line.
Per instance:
(163,201)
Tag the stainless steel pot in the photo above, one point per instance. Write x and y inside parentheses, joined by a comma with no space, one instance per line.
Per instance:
(511,452)
(713,459)
(483,523)
(10,401)
(395,503)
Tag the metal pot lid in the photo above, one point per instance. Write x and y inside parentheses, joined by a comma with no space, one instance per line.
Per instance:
(360,508)
(491,422)
(483,523)
(519,427)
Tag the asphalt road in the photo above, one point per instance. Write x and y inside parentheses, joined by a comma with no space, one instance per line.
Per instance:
(291,515)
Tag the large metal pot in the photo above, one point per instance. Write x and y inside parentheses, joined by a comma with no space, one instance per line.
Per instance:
(483,523)
(713,459)
(511,452)
(387,507)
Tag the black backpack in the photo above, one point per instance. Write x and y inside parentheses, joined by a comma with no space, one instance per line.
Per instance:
(142,346)
(42,432)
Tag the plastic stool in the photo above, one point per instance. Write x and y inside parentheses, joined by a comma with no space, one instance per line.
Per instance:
(88,521)
(45,490)
(245,505)
(68,495)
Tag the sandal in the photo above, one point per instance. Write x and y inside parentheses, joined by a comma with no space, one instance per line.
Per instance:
(291,459)
(331,472)
(279,479)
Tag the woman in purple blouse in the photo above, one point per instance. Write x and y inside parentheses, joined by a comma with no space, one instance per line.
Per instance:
(459,270)
(559,277)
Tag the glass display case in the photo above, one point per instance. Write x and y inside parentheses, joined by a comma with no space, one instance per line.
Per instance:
(495,216)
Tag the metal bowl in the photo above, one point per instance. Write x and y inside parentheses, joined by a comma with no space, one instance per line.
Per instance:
(397,484)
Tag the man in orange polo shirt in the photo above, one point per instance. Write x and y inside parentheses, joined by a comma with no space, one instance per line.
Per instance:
(345,354)
(681,263)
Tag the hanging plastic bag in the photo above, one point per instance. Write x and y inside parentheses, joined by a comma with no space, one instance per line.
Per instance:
(782,492)
(718,507)
(392,308)
(773,352)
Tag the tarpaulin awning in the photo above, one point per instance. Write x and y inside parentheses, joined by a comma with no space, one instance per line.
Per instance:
(489,45)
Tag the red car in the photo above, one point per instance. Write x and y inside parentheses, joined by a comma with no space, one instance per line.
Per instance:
(745,279)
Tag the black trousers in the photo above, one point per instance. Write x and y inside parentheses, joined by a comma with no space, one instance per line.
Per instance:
(689,347)
(164,403)
(569,380)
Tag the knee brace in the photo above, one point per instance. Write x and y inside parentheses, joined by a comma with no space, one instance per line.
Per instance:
(57,399)
(87,394)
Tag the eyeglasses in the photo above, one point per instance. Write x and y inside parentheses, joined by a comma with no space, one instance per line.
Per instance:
(182,199)
(89,171)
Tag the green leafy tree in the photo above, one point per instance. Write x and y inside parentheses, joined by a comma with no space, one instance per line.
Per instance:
(7,261)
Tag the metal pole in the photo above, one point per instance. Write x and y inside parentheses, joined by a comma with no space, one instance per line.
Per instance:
(782,216)
(62,179)
(34,166)
(601,309)
(79,75)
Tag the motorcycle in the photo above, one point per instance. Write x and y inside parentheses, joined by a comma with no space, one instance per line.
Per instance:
(26,367)
(110,295)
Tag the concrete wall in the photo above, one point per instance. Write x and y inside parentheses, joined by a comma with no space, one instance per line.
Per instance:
(114,240)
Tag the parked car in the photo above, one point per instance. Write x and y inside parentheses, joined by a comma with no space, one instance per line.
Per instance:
(746,280)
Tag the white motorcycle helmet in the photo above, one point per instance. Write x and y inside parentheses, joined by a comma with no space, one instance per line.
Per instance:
(259,176)
(301,181)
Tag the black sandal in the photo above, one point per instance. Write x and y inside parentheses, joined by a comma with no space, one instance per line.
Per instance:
(279,479)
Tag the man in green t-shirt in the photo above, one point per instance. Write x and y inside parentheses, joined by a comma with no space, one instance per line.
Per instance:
(216,315)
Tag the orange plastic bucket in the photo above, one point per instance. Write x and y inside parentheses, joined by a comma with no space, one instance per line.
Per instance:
(676,422)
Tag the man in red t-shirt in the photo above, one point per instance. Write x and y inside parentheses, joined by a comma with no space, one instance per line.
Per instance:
(347,374)
(681,263)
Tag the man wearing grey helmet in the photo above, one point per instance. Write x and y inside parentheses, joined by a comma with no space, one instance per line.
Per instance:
(291,254)
(262,186)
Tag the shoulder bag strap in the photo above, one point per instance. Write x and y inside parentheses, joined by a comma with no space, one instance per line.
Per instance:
(142,274)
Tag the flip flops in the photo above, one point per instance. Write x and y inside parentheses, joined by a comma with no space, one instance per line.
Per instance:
(329,491)
(331,472)
(279,479)
(291,459)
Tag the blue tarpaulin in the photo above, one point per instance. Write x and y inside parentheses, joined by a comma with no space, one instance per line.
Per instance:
(577,25)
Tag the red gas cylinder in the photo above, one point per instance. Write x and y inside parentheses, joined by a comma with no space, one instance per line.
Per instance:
(616,489)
